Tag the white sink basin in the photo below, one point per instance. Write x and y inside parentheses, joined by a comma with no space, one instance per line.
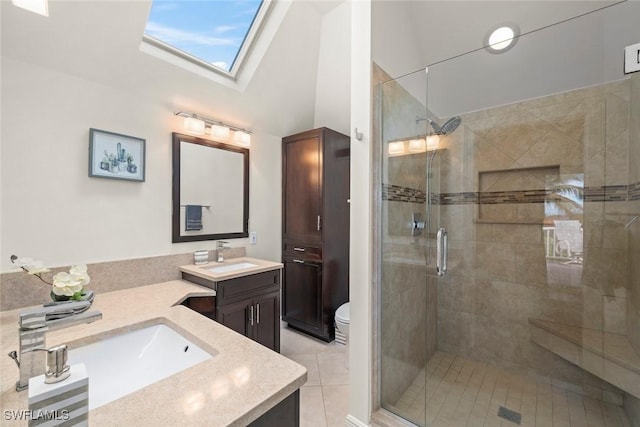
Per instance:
(128,362)
(231,267)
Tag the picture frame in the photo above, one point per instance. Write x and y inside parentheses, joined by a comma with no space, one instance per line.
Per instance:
(116,156)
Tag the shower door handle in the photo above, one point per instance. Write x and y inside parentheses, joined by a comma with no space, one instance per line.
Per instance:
(442,247)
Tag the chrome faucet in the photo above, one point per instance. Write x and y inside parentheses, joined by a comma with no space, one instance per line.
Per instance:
(220,246)
(34,323)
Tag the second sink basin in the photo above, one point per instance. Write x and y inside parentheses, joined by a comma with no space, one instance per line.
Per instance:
(232,267)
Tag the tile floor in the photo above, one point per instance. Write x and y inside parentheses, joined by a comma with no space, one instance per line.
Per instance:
(324,399)
(461,392)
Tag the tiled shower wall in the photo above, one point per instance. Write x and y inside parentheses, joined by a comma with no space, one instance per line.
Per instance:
(499,275)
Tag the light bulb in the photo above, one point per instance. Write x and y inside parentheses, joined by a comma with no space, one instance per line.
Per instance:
(501,38)
(193,125)
(433,141)
(220,132)
(242,138)
(417,145)
(396,148)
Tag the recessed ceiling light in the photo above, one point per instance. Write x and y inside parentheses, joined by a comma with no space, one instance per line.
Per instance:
(502,38)
(37,6)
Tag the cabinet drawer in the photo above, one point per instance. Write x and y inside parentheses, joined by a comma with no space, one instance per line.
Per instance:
(302,251)
(229,291)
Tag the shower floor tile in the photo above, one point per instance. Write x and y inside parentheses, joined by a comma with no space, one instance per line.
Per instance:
(455,392)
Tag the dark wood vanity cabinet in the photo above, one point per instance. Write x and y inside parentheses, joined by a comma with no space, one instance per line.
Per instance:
(250,305)
(315,225)
(256,318)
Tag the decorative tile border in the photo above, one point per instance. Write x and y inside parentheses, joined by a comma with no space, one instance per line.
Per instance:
(634,191)
(608,193)
(396,193)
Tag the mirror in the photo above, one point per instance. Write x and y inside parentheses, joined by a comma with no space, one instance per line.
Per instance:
(210,190)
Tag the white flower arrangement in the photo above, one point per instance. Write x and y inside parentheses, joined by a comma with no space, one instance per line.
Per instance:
(71,283)
(65,286)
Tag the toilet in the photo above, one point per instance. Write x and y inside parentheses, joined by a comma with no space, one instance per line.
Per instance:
(342,329)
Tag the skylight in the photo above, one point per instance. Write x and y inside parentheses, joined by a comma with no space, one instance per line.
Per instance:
(214,33)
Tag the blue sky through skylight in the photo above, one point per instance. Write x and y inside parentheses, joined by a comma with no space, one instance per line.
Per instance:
(211,30)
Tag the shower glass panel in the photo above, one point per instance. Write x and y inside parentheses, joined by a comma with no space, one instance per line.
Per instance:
(534,176)
(408,337)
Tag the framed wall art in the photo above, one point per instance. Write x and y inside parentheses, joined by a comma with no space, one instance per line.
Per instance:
(116,156)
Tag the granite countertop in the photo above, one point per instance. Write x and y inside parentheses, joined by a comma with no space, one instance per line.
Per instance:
(240,383)
(203,271)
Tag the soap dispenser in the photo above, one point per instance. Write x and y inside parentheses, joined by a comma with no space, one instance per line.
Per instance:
(61,395)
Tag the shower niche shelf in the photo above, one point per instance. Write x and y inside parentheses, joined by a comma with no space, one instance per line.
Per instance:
(605,355)
(514,196)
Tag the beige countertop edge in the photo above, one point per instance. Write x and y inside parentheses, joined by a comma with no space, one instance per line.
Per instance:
(202,272)
(241,382)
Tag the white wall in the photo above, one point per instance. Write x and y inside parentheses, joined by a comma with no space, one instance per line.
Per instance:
(333,81)
(360,274)
(52,210)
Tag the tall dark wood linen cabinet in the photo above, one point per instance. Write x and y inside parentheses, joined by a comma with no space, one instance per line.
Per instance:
(315,227)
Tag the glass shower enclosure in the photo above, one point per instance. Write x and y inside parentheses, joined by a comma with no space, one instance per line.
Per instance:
(510,286)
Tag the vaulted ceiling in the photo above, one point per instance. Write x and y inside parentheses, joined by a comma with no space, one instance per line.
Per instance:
(101,41)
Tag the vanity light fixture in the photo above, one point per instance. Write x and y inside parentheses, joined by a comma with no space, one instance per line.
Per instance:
(218,130)
(418,144)
(36,6)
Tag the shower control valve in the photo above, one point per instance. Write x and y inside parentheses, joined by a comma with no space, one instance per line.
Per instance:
(417,224)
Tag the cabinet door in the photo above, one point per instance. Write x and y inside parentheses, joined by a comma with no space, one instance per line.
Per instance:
(235,316)
(267,321)
(302,188)
(302,293)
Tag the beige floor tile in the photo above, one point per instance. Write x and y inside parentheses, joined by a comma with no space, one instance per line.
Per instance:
(294,342)
(309,361)
(332,369)
(321,405)
(312,412)
(336,404)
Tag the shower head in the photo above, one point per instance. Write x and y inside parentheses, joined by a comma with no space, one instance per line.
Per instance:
(451,125)
(447,128)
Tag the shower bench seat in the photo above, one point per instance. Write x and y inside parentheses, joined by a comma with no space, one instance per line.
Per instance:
(605,355)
